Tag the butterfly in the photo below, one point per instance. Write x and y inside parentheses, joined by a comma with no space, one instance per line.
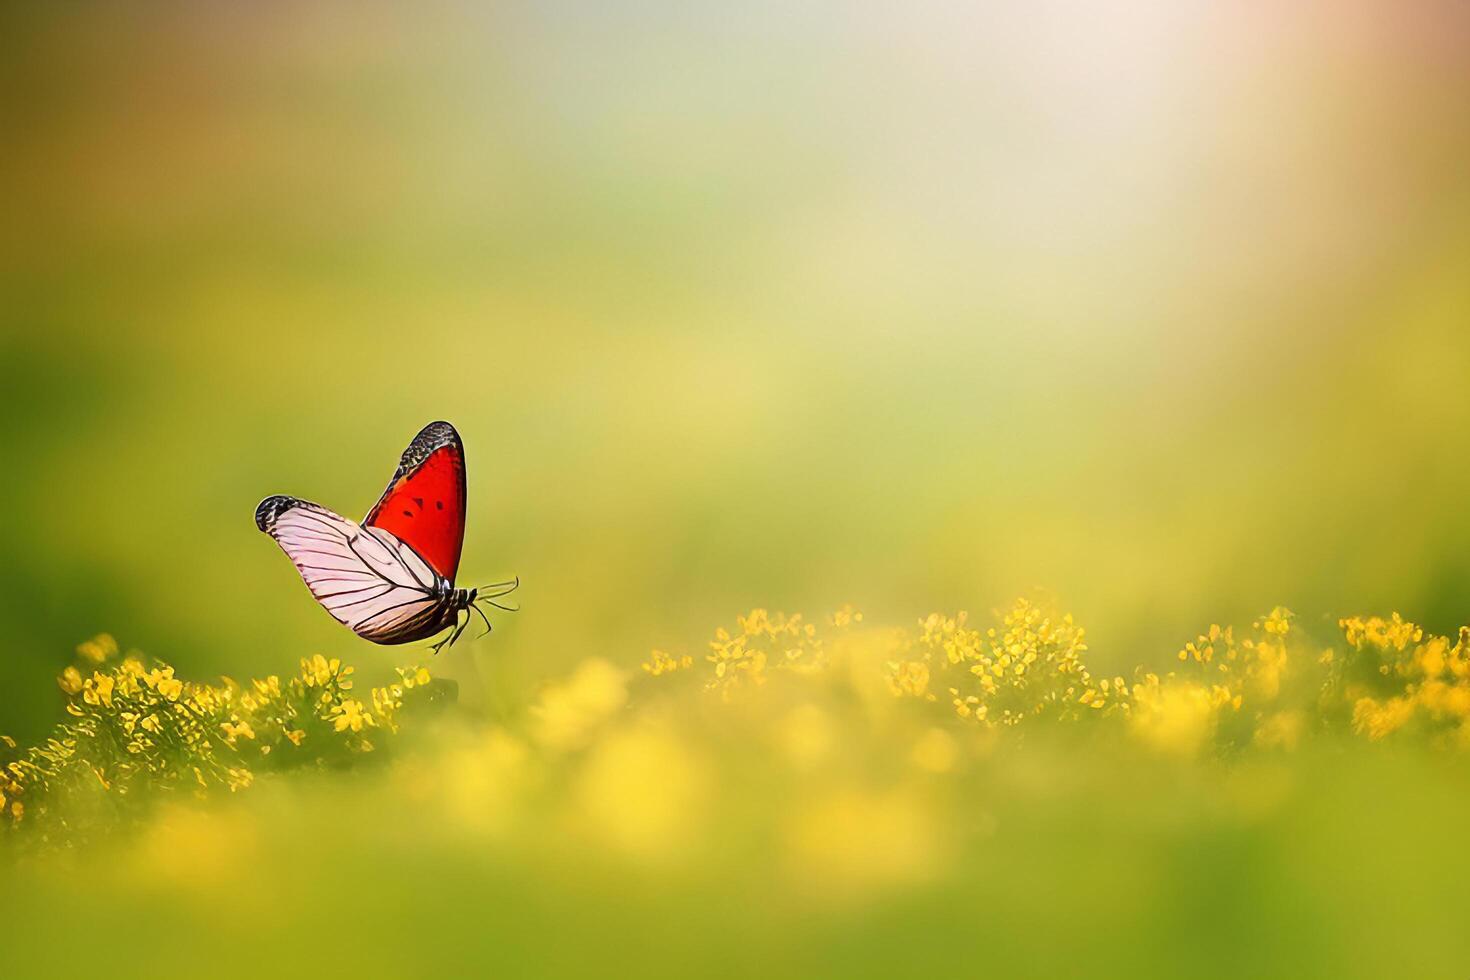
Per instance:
(391,578)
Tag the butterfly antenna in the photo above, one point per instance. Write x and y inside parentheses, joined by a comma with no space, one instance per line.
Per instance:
(495,590)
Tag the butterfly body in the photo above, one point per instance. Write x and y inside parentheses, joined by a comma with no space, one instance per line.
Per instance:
(391,578)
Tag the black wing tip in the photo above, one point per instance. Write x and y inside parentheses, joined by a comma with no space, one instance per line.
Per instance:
(435,435)
(271,508)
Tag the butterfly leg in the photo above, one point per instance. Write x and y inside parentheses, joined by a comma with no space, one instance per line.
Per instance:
(454,634)
(488,627)
(460,629)
(448,639)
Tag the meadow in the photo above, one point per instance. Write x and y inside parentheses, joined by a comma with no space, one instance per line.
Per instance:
(878,407)
(792,797)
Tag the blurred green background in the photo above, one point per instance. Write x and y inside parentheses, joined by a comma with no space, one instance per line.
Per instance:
(1164,309)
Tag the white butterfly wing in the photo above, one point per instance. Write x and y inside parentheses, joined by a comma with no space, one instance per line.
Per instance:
(366,578)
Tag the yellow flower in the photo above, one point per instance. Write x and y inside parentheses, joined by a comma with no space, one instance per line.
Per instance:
(1176,716)
(70,680)
(349,714)
(758,622)
(318,670)
(97,690)
(1391,634)
(661,663)
(98,649)
(1378,720)
(386,701)
(909,678)
(170,687)
(1277,622)
(566,713)
(237,729)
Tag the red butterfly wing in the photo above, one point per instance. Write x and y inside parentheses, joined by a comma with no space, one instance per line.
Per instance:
(424,503)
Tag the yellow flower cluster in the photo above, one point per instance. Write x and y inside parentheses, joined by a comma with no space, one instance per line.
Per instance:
(1396,678)
(661,663)
(135,730)
(1031,664)
(763,643)
(10,787)
(1226,689)
(914,704)
(1265,687)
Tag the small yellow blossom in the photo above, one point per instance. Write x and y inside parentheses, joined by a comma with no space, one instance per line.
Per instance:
(910,678)
(97,690)
(70,680)
(238,729)
(659,663)
(98,649)
(350,714)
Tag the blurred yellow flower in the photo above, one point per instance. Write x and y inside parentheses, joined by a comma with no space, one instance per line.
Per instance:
(70,680)
(867,696)
(1379,719)
(805,735)
(483,782)
(844,843)
(641,793)
(239,729)
(566,713)
(935,751)
(1176,716)
(661,663)
(1393,633)
(98,649)
(1282,730)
